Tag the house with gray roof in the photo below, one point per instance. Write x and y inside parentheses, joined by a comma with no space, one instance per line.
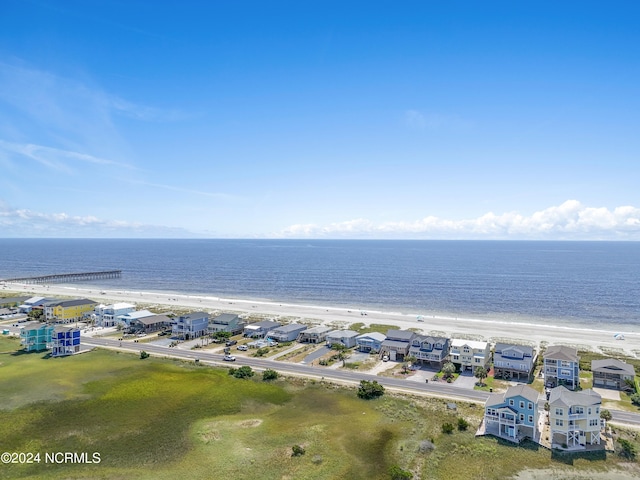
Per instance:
(342,337)
(397,344)
(370,342)
(430,349)
(314,335)
(513,361)
(227,322)
(561,367)
(612,373)
(512,415)
(260,329)
(286,333)
(190,326)
(574,418)
(150,324)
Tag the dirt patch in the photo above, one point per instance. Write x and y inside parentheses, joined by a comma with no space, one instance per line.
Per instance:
(251,423)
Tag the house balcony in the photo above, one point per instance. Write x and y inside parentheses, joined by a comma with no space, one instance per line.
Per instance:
(500,419)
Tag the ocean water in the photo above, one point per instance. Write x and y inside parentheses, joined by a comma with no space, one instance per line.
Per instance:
(590,283)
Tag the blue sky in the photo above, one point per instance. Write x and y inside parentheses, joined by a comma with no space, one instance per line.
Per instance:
(515,120)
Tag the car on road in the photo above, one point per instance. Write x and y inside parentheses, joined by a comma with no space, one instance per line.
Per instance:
(243,348)
(229,358)
(231,342)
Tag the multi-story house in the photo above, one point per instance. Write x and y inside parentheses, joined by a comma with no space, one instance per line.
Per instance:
(612,373)
(126,318)
(226,322)
(286,333)
(106,315)
(428,349)
(67,311)
(370,342)
(260,329)
(574,418)
(511,361)
(342,337)
(397,344)
(35,336)
(188,327)
(64,341)
(561,367)
(512,415)
(314,335)
(469,354)
(150,324)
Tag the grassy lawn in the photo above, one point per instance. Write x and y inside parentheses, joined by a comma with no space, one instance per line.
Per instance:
(165,419)
(374,327)
(492,384)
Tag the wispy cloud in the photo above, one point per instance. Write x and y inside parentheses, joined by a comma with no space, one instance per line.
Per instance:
(571,220)
(218,195)
(24,223)
(417,120)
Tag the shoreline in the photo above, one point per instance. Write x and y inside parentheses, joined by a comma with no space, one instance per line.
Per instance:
(490,330)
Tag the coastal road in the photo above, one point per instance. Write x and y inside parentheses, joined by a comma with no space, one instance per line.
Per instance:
(432,388)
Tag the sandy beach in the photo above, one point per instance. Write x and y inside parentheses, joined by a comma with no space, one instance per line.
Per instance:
(489,330)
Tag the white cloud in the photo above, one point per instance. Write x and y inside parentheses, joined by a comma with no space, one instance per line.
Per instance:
(414,119)
(569,221)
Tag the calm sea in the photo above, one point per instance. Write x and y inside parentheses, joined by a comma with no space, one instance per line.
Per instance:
(593,283)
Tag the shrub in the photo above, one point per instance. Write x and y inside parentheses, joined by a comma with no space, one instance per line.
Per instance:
(462,424)
(635,399)
(370,389)
(629,449)
(270,374)
(447,427)
(242,372)
(261,352)
(605,414)
(397,473)
(297,451)
(143,355)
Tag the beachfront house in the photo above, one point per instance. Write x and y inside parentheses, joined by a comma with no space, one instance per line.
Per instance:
(226,322)
(12,301)
(286,333)
(370,342)
(561,367)
(314,335)
(190,326)
(151,324)
(469,354)
(574,418)
(512,415)
(260,329)
(126,319)
(106,315)
(342,337)
(36,303)
(513,361)
(613,373)
(64,341)
(67,311)
(35,335)
(396,345)
(429,349)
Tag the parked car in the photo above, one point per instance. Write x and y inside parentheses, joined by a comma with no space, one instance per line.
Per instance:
(231,342)
(229,358)
(243,348)
(385,358)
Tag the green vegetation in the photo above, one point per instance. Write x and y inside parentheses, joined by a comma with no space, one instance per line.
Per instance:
(370,389)
(629,449)
(161,419)
(270,374)
(143,355)
(374,327)
(462,424)
(297,451)
(397,473)
(447,428)
(481,374)
(242,372)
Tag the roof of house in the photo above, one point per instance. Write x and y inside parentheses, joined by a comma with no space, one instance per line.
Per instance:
(195,316)
(563,396)
(377,336)
(138,314)
(394,343)
(612,365)
(319,330)
(32,325)
(561,352)
(9,300)
(153,319)
(524,391)
(474,344)
(75,303)
(292,327)
(62,328)
(263,324)
(120,306)
(33,300)
(501,347)
(401,335)
(430,339)
(225,318)
(342,334)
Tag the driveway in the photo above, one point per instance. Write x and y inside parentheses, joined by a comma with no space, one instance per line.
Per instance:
(422,374)
(316,354)
(466,380)
(607,394)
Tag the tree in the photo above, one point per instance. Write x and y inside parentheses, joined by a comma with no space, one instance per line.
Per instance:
(448,370)
(35,314)
(398,473)
(635,399)
(462,424)
(221,335)
(408,360)
(605,414)
(143,355)
(270,374)
(243,372)
(370,389)
(481,374)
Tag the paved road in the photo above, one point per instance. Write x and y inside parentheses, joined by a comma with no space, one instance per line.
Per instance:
(431,388)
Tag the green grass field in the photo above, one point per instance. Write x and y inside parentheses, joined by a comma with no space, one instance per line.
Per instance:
(165,419)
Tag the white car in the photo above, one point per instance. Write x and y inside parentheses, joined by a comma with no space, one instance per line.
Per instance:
(243,348)
(229,358)
(385,358)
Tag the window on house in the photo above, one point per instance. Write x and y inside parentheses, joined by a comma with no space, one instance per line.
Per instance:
(530,406)
(559,411)
(559,422)
(521,404)
(511,402)
(522,417)
(530,418)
